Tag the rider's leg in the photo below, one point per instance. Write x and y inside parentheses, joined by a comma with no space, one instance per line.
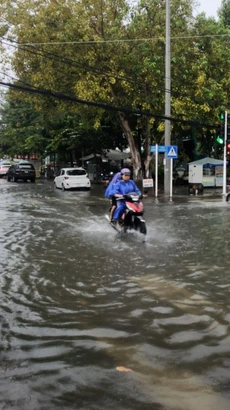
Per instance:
(114,205)
(118,212)
(112,211)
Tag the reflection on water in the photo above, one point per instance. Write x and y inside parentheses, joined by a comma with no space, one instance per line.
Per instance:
(77,301)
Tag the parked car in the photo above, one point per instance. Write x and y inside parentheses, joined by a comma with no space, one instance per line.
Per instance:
(4,167)
(69,178)
(22,170)
(228,193)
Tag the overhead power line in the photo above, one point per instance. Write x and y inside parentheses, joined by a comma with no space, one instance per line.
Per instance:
(56,57)
(134,40)
(73,63)
(104,106)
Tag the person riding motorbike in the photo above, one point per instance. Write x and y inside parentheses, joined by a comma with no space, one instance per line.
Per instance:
(109,189)
(123,187)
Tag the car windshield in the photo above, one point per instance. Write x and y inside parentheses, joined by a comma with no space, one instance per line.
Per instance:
(26,166)
(74,172)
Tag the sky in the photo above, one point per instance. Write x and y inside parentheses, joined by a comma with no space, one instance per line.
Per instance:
(210,7)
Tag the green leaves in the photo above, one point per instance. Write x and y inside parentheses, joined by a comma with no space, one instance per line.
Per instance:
(112,53)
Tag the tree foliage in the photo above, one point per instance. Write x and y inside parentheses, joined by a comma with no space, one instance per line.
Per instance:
(113,52)
(21,129)
(224,13)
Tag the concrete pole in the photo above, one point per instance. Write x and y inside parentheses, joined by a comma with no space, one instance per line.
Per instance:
(167,97)
(225,153)
(156,171)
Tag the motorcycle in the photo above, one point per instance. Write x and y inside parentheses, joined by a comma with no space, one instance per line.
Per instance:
(132,218)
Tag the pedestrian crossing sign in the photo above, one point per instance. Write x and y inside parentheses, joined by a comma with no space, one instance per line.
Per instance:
(172,151)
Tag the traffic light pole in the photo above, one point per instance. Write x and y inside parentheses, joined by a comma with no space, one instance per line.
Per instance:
(225,152)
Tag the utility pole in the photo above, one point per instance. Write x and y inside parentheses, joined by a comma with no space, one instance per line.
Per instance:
(225,152)
(167,97)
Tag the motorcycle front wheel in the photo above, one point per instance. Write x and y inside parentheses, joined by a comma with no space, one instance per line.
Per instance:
(143,228)
(140,226)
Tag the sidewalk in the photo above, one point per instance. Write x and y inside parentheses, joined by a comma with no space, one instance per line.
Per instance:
(183,191)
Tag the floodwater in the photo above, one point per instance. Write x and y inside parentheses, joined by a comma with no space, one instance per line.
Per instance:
(93,320)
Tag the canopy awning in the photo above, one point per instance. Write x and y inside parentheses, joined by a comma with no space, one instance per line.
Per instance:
(207,161)
(88,157)
(109,154)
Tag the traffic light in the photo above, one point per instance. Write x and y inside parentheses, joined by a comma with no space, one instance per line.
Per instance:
(222,116)
(220,134)
(228,150)
(219,140)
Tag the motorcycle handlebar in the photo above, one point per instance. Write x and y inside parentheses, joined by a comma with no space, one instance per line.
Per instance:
(127,196)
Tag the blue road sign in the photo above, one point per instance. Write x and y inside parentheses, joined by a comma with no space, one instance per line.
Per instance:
(172,151)
(161,148)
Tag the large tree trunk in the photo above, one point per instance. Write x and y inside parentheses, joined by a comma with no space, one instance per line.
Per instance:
(134,152)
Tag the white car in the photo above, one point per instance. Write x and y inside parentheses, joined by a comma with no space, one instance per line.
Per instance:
(227,196)
(70,178)
(4,169)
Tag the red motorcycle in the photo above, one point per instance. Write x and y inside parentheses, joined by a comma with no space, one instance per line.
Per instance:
(132,218)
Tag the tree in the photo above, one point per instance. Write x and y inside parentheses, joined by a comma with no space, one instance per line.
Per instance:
(224,13)
(114,53)
(21,128)
(24,130)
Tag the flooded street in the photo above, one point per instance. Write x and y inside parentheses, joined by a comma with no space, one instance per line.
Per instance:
(79,304)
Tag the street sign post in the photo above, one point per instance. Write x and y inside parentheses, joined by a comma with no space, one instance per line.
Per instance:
(147,183)
(156,149)
(172,153)
(156,172)
(161,148)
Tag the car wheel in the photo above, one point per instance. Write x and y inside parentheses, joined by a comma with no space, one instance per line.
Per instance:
(228,198)
(33,180)
(63,187)
(14,179)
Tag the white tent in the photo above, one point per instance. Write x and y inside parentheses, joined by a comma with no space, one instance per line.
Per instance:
(207,161)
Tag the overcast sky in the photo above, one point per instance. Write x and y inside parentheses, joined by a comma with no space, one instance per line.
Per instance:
(210,7)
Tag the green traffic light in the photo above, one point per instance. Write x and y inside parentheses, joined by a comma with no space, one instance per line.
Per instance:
(219,140)
(222,116)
